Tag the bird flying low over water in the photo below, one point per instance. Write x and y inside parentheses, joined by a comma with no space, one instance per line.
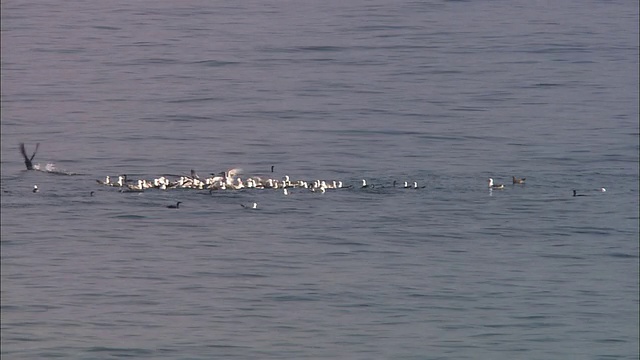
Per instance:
(28,161)
(48,168)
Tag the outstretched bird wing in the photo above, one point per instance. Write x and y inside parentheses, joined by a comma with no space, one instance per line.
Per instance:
(27,161)
(34,153)
(23,151)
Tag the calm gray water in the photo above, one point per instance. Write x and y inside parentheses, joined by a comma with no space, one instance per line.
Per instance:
(445,93)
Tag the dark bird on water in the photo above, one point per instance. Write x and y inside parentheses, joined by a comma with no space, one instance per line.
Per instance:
(28,160)
(518,181)
(35,188)
(576,194)
(176,206)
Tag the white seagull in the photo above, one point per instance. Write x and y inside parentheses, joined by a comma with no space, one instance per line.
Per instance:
(495,186)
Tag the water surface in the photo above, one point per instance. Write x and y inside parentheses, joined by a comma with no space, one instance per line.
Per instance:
(445,93)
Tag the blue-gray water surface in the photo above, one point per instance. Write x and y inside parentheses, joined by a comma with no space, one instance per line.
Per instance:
(444,93)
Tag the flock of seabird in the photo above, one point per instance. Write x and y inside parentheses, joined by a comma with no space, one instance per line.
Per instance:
(227,180)
(231,180)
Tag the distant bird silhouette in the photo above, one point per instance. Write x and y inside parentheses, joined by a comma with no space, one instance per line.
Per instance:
(176,206)
(91,193)
(28,160)
(576,194)
(518,181)
(253,206)
(35,188)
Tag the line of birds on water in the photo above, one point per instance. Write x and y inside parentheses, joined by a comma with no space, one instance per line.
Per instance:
(230,180)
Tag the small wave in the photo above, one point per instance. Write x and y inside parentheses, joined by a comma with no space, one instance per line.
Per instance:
(622,255)
(51,169)
(129,217)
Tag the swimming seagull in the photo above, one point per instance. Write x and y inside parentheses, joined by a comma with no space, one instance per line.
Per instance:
(35,188)
(176,206)
(122,180)
(285,191)
(253,206)
(364,183)
(107,181)
(233,172)
(136,188)
(28,160)
(518,181)
(495,186)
